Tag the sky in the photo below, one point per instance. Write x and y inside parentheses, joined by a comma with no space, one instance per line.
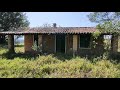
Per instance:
(63,19)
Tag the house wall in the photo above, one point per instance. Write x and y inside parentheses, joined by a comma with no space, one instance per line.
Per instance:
(97,50)
(83,51)
(48,43)
(69,44)
(75,43)
(28,42)
(114,43)
(40,41)
(72,40)
(72,46)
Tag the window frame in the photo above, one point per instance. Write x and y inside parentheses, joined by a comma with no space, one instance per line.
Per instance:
(89,44)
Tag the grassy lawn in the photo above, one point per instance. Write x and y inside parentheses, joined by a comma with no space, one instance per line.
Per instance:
(21,65)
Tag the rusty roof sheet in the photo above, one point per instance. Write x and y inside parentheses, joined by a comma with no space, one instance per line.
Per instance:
(51,30)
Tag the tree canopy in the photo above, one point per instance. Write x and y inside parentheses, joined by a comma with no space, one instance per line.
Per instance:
(12,21)
(107,21)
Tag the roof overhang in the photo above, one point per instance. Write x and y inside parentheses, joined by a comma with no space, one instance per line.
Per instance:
(58,30)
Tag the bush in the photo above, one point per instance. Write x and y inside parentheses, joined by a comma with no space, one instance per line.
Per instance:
(56,66)
(50,67)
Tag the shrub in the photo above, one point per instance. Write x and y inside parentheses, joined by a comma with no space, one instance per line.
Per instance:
(53,66)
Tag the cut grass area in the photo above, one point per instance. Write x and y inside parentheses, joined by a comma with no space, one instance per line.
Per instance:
(21,65)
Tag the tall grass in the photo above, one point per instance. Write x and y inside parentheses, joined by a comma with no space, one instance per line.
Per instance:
(51,66)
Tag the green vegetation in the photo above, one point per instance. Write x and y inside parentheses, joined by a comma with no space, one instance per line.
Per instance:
(107,21)
(54,66)
(11,21)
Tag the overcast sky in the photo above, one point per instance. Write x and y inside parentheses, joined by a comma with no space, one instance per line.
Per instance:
(64,19)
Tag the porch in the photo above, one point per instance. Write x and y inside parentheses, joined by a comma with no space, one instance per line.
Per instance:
(64,43)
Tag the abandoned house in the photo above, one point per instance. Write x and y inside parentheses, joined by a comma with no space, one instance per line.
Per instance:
(68,40)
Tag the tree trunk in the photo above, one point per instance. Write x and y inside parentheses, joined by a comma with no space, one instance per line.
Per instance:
(11,43)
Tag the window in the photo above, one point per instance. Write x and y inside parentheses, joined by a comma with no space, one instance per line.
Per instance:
(84,40)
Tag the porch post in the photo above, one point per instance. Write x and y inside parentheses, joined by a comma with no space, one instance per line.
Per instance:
(11,43)
(28,42)
(55,43)
(74,44)
(40,41)
(114,43)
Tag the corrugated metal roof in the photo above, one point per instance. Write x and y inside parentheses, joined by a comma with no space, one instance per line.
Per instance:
(52,30)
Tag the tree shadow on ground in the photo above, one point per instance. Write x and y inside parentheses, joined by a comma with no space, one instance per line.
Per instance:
(115,56)
(28,56)
(105,56)
(62,56)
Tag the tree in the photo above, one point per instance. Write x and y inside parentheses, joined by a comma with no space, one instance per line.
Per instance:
(107,21)
(11,21)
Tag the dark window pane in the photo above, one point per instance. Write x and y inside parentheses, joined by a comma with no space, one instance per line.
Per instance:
(85,40)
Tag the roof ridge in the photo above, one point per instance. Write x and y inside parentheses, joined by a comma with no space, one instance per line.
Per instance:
(62,27)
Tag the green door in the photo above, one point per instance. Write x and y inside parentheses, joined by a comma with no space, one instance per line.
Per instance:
(60,43)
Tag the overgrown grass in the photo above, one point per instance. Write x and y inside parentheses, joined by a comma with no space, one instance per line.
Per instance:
(51,67)
(54,66)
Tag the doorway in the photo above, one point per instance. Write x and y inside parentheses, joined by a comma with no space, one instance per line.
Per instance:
(60,43)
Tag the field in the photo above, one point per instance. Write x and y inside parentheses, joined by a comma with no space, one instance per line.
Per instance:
(54,66)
